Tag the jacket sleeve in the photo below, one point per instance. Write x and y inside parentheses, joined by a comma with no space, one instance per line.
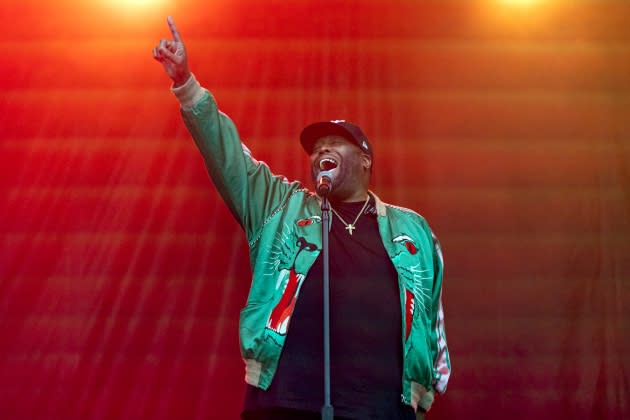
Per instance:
(439,349)
(246,185)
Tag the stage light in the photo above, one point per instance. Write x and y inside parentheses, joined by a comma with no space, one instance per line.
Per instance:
(137,3)
(522,3)
(132,7)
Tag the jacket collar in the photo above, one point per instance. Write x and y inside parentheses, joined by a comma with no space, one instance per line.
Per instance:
(381,209)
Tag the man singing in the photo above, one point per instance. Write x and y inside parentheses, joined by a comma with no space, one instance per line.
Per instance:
(388,346)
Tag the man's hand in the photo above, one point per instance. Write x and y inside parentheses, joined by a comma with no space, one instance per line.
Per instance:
(172,55)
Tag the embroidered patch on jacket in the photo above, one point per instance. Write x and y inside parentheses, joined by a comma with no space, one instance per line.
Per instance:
(417,280)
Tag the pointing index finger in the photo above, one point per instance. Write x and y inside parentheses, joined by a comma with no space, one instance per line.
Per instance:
(173,29)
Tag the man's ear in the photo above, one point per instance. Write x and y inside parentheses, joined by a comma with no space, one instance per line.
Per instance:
(366,161)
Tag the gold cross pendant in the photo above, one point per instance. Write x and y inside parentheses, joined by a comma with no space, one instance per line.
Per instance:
(350,228)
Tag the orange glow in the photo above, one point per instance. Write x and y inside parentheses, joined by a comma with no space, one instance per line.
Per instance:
(521,18)
(133,7)
(137,3)
(523,3)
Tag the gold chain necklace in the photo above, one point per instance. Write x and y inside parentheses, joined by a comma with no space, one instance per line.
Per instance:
(351,226)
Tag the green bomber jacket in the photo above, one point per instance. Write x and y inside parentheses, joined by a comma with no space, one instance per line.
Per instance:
(282,223)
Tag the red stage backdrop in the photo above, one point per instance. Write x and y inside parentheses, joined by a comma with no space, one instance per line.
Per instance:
(506,124)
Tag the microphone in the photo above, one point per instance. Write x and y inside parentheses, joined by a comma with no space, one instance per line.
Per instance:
(324,184)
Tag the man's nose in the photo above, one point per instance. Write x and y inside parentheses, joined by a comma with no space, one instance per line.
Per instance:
(323,149)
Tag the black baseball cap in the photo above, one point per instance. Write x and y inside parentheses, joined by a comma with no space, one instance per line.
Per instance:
(345,129)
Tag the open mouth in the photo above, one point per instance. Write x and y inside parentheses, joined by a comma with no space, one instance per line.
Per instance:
(327,164)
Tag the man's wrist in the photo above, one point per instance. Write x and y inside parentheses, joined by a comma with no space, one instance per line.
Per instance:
(180,81)
(189,93)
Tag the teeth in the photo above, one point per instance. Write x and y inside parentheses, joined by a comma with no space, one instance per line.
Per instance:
(327,164)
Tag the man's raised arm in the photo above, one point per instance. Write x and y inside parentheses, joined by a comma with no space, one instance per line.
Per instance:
(240,179)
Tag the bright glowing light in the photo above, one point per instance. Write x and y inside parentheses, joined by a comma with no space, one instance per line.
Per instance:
(134,6)
(137,3)
(519,17)
(520,2)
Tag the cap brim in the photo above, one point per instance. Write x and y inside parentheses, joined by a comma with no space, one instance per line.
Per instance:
(317,130)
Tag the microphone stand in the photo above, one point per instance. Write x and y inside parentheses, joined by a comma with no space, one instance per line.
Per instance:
(327,408)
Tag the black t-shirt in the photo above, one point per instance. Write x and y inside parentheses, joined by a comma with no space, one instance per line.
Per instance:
(365,328)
